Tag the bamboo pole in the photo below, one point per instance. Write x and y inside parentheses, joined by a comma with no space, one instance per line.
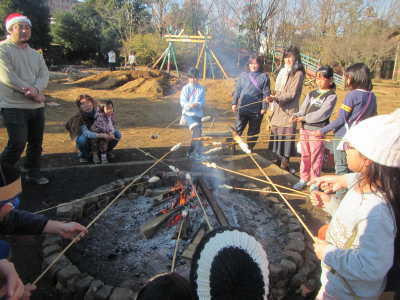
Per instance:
(200,55)
(215,166)
(283,198)
(248,152)
(205,64)
(102,212)
(263,191)
(219,64)
(159,59)
(177,241)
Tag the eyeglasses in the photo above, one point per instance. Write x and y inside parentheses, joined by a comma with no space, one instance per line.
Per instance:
(347,146)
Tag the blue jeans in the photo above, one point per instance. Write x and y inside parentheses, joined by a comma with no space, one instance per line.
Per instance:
(82,142)
(340,166)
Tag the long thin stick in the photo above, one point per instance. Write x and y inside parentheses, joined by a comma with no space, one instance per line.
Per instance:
(246,150)
(281,140)
(174,121)
(99,215)
(212,165)
(202,207)
(283,198)
(177,245)
(264,191)
(77,200)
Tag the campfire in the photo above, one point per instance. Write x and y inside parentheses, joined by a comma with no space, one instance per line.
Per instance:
(179,199)
(135,239)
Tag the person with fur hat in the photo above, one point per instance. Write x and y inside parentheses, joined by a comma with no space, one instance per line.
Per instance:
(20,222)
(358,254)
(192,100)
(23,77)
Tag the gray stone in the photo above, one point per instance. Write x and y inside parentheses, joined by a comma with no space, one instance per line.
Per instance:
(51,249)
(120,293)
(93,288)
(65,212)
(140,189)
(296,245)
(294,227)
(132,196)
(148,192)
(55,268)
(273,199)
(129,283)
(51,239)
(278,294)
(82,284)
(296,236)
(288,266)
(67,273)
(71,284)
(48,260)
(281,283)
(284,219)
(103,201)
(90,209)
(298,279)
(79,208)
(275,271)
(103,293)
(91,200)
(60,288)
(295,257)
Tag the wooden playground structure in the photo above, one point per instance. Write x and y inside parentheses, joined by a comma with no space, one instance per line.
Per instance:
(207,61)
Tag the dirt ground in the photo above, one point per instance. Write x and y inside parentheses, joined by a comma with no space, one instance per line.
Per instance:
(146,102)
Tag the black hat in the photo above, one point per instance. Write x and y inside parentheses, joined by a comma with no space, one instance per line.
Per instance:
(10,182)
(230,264)
(193,73)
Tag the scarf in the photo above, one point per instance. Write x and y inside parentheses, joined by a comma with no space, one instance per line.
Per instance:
(282,78)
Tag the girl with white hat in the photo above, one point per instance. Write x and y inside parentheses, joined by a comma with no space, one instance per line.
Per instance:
(359,247)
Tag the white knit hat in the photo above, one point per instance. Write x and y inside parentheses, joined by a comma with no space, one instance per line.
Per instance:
(378,138)
(16,18)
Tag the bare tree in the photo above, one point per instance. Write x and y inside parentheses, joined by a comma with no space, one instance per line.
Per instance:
(252,17)
(159,9)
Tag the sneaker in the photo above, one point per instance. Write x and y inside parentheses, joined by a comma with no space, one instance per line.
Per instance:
(314,187)
(95,158)
(83,160)
(300,185)
(40,180)
(103,158)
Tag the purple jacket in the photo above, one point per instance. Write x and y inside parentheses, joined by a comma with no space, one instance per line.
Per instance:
(353,105)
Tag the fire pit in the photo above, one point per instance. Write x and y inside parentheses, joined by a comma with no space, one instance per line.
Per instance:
(135,238)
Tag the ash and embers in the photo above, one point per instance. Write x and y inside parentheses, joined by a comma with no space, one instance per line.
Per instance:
(116,252)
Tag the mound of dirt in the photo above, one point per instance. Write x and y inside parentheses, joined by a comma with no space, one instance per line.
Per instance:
(108,79)
(144,87)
